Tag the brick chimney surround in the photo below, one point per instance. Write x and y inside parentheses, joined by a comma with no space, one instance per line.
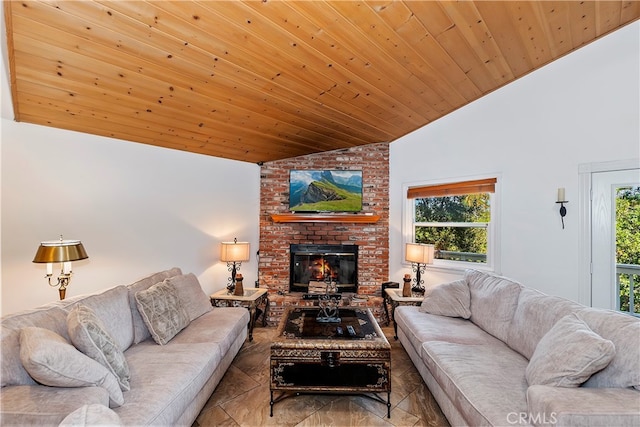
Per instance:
(372,238)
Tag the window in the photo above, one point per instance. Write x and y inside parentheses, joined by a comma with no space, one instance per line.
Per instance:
(458,218)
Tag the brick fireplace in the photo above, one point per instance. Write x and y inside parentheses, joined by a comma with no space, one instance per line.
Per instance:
(372,238)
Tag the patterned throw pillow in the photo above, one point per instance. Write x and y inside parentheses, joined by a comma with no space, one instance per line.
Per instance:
(52,361)
(88,334)
(162,311)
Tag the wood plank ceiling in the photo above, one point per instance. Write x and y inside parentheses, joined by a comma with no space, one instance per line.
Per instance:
(263,80)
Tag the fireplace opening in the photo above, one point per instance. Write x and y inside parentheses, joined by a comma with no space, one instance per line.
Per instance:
(313,268)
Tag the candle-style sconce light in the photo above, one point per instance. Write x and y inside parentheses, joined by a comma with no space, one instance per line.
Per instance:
(63,252)
(562,201)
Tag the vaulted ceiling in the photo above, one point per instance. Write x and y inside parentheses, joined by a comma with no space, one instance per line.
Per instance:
(264,80)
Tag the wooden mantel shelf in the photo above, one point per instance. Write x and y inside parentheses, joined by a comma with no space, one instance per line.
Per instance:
(299,217)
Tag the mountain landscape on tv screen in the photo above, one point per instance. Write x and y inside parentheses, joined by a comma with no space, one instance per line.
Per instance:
(325,191)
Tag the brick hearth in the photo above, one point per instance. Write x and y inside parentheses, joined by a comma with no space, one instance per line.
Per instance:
(372,238)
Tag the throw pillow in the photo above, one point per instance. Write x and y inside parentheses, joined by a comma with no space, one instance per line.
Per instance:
(193,298)
(568,354)
(91,415)
(140,331)
(162,311)
(624,332)
(52,361)
(449,299)
(88,334)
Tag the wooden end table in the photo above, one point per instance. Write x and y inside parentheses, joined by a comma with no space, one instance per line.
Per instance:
(251,300)
(394,296)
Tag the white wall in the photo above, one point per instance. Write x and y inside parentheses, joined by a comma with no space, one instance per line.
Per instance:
(535,133)
(137,209)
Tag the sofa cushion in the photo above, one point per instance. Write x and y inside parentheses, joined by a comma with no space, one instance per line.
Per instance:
(493,301)
(88,334)
(583,406)
(13,373)
(624,331)
(193,298)
(422,327)
(112,307)
(485,383)
(220,326)
(535,315)
(178,371)
(568,354)
(140,331)
(91,415)
(449,299)
(162,311)
(52,361)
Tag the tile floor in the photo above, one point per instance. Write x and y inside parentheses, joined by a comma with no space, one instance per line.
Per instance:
(242,397)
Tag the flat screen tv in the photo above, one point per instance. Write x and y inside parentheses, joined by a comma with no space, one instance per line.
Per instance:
(325,190)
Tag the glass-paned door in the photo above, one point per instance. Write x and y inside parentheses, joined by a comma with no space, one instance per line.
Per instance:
(615,208)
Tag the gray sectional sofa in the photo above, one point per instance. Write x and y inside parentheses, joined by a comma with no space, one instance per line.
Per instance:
(152,351)
(494,352)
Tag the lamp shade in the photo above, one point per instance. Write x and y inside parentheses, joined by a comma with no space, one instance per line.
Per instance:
(420,253)
(234,251)
(60,251)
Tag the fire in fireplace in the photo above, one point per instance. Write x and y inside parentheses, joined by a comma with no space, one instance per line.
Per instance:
(317,266)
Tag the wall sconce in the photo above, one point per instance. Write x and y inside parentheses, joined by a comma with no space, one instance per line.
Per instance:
(62,251)
(562,201)
(234,253)
(419,255)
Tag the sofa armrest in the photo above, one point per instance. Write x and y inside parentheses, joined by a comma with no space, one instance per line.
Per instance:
(580,406)
(42,405)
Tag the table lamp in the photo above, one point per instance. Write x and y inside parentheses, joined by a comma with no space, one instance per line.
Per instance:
(234,253)
(419,255)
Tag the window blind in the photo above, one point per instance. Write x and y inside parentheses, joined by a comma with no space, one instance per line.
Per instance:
(453,189)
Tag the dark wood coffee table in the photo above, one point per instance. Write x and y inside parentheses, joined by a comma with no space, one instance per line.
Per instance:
(308,356)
